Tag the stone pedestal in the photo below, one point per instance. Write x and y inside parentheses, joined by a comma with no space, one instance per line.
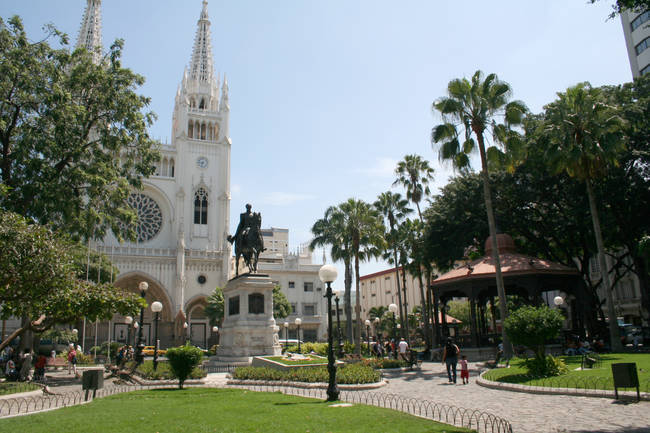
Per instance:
(248,328)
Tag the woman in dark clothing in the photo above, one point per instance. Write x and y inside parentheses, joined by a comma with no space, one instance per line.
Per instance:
(450,357)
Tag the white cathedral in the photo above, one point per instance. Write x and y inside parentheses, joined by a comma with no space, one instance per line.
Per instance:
(183,210)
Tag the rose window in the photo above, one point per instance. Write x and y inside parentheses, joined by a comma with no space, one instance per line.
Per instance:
(149,216)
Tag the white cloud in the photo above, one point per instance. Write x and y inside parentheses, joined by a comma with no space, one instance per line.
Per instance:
(383,167)
(278,198)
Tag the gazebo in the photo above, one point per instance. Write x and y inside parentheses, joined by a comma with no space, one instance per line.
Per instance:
(526,276)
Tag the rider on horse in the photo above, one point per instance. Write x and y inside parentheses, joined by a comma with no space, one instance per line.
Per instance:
(248,239)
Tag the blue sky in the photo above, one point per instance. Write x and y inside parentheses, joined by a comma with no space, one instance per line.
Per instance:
(327,96)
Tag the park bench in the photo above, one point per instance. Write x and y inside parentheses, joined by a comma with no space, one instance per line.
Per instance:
(56,363)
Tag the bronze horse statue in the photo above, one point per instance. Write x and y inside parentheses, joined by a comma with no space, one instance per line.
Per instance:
(249,242)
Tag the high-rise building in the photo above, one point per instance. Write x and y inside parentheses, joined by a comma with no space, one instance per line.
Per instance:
(636,28)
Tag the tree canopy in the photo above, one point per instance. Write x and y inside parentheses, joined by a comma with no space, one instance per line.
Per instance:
(39,280)
(73,134)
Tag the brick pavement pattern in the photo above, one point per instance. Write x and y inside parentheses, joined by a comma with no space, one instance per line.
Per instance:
(528,413)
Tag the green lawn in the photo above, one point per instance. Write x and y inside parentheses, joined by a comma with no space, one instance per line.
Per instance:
(283,360)
(219,410)
(597,378)
(14,387)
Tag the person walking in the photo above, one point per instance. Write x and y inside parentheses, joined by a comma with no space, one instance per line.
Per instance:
(403,347)
(72,359)
(464,370)
(450,358)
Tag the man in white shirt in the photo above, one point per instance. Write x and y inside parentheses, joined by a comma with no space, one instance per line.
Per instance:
(403,347)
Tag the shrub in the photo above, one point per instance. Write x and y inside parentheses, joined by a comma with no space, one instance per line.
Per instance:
(103,349)
(318,348)
(547,366)
(183,360)
(353,373)
(533,326)
(213,350)
(163,371)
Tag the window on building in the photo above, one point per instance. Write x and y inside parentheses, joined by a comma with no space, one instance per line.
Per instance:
(308,286)
(642,46)
(309,335)
(294,306)
(233,306)
(292,284)
(645,70)
(309,309)
(256,303)
(636,22)
(200,206)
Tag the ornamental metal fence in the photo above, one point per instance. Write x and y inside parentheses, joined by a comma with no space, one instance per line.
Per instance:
(218,368)
(482,422)
(597,386)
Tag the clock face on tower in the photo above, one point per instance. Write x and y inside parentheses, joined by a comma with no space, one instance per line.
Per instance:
(202,162)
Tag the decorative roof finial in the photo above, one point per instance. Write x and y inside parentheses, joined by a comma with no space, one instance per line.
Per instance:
(201,68)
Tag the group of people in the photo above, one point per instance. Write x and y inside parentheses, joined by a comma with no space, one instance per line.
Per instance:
(124,354)
(390,348)
(17,366)
(450,354)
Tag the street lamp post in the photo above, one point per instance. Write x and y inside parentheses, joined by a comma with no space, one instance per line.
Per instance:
(185,326)
(136,326)
(286,336)
(298,321)
(327,275)
(338,326)
(377,321)
(367,322)
(393,309)
(128,320)
(215,330)
(143,286)
(156,307)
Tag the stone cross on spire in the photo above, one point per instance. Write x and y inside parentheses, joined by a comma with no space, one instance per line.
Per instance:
(90,34)
(201,67)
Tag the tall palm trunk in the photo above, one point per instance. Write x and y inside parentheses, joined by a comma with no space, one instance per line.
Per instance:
(425,313)
(507,349)
(399,286)
(347,299)
(357,308)
(615,340)
(405,318)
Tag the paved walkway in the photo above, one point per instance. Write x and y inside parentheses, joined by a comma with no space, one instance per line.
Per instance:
(528,413)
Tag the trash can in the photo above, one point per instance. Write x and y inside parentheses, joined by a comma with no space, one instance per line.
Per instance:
(92,380)
(625,376)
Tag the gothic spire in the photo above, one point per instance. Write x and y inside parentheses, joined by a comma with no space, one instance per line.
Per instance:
(201,68)
(90,34)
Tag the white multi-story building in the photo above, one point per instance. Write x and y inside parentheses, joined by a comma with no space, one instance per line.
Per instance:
(298,279)
(181,249)
(380,290)
(636,28)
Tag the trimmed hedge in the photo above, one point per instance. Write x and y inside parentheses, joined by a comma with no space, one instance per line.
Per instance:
(164,372)
(348,374)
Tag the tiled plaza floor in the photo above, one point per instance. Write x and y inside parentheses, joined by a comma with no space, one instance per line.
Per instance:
(528,413)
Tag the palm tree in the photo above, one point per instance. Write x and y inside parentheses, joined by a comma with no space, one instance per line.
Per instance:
(394,209)
(416,252)
(583,137)
(331,230)
(473,106)
(414,174)
(365,230)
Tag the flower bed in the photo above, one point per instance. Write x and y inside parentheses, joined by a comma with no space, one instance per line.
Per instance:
(347,374)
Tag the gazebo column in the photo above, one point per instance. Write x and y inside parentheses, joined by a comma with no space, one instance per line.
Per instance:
(494,315)
(482,322)
(472,321)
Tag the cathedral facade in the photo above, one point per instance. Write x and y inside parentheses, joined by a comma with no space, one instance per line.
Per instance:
(183,210)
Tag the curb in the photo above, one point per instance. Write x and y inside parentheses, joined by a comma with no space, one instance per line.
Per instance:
(577,392)
(317,385)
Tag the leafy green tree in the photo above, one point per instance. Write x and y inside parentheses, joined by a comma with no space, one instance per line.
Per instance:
(583,135)
(73,134)
(620,5)
(394,209)
(182,360)
(533,327)
(281,305)
(365,229)
(331,231)
(459,309)
(38,281)
(473,106)
(214,308)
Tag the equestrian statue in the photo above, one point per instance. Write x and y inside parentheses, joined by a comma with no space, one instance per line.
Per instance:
(248,239)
